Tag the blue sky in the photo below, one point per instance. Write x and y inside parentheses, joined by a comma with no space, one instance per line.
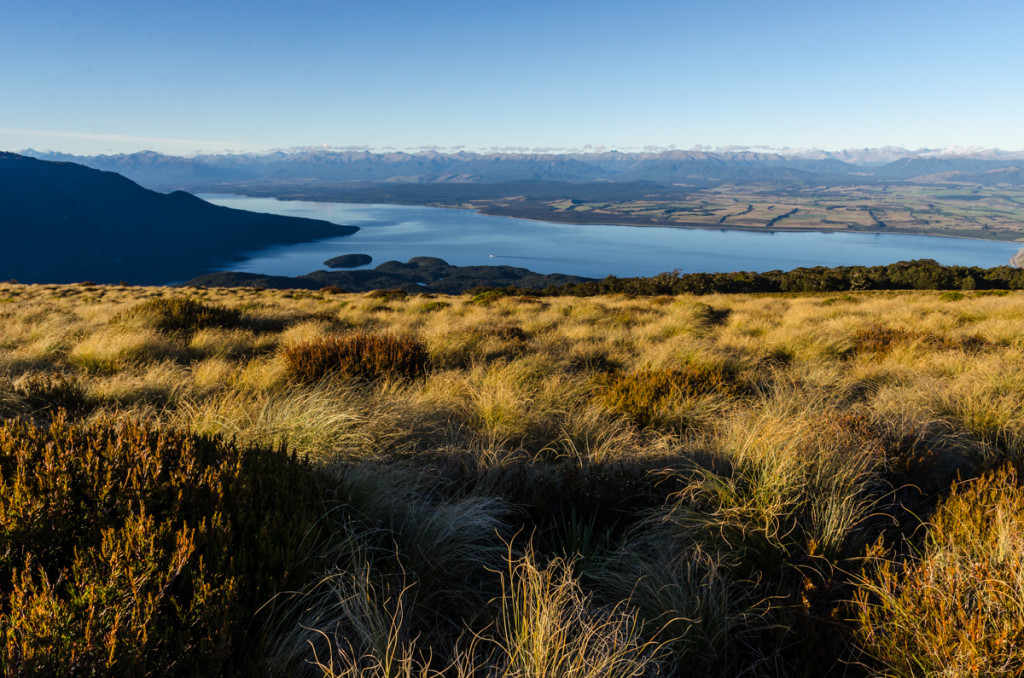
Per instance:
(178,77)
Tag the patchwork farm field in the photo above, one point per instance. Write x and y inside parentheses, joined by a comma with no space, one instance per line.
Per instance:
(965,211)
(272,482)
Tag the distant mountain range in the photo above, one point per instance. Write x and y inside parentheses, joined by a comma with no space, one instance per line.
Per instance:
(672,167)
(62,222)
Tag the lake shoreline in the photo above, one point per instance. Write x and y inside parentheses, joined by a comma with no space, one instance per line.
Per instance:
(614,220)
(719,227)
(473,234)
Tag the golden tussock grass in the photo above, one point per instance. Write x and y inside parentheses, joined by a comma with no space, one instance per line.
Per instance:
(718,485)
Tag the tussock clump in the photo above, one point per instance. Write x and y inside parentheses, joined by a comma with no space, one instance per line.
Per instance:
(360,355)
(503,332)
(705,315)
(460,348)
(591,359)
(130,551)
(181,315)
(957,609)
(706,620)
(105,353)
(550,627)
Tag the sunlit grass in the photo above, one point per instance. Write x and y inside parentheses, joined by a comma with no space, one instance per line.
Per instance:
(588,486)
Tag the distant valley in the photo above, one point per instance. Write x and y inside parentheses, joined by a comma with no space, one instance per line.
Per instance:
(66,221)
(966,193)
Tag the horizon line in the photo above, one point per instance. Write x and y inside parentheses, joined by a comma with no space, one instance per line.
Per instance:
(588,149)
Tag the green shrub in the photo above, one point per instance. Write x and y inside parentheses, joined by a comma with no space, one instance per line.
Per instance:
(359,355)
(130,551)
(432,306)
(181,315)
(487,297)
(951,296)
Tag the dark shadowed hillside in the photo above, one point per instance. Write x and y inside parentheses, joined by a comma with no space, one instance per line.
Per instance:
(419,274)
(62,222)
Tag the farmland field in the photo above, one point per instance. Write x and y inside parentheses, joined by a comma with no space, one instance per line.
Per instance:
(971,211)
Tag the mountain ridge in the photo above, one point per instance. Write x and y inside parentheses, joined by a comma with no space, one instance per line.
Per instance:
(63,222)
(207,172)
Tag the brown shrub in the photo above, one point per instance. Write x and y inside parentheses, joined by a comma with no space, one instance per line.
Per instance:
(387,295)
(182,315)
(955,608)
(879,339)
(359,355)
(645,394)
(51,391)
(132,551)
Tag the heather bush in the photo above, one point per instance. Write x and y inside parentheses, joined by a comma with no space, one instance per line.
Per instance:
(387,295)
(45,391)
(359,355)
(131,551)
(181,315)
(956,606)
(647,395)
(878,339)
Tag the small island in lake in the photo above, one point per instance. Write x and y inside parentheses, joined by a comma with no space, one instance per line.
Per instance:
(348,261)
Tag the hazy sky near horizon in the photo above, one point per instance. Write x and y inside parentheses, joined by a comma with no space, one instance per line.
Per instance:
(109,76)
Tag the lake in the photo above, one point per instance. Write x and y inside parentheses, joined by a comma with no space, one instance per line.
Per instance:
(467,238)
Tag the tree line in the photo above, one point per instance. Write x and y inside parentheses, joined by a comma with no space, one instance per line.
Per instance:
(920,274)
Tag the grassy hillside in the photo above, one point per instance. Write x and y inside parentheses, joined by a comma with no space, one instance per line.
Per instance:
(247,482)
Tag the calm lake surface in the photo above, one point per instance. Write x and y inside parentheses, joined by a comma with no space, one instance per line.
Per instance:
(466,238)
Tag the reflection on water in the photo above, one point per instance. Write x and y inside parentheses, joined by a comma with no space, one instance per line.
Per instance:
(466,238)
